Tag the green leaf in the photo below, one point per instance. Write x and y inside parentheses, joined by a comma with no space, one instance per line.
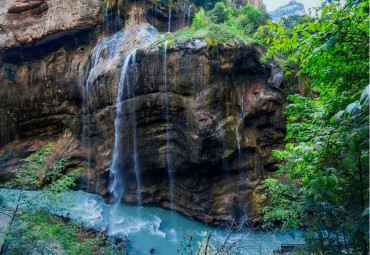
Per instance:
(352,146)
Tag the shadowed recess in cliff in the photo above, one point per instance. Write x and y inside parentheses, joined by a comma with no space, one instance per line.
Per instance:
(112,20)
(70,40)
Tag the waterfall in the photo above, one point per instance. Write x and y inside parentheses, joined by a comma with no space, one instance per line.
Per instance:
(238,139)
(183,8)
(189,16)
(169,159)
(238,136)
(169,20)
(117,171)
(117,187)
(109,43)
(87,135)
(134,143)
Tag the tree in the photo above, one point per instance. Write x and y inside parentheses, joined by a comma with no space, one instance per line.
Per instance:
(199,20)
(221,13)
(321,184)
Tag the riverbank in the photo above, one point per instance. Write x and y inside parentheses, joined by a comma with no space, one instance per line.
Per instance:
(148,229)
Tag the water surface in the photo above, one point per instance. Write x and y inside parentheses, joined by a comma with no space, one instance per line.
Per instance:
(152,229)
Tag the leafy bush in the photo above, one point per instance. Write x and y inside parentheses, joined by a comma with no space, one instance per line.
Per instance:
(35,173)
(221,13)
(213,34)
(28,175)
(207,4)
(249,19)
(199,20)
(39,232)
(222,24)
(322,184)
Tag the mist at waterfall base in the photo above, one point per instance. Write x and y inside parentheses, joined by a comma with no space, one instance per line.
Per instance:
(150,231)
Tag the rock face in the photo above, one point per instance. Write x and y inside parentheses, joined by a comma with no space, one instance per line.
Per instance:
(224,115)
(290,9)
(240,3)
(34,21)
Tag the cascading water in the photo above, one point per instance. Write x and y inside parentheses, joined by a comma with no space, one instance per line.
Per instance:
(117,171)
(189,16)
(87,135)
(184,14)
(111,18)
(239,137)
(117,187)
(134,143)
(105,43)
(169,159)
(169,20)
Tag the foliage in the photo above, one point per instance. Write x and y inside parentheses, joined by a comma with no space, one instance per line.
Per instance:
(207,4)
(332,48)
(250,18)
(199,20)
(213,34)
(36,173)
(65,182)
(222,24)
(39,232)
(322,181)
(28,175)
(221,13)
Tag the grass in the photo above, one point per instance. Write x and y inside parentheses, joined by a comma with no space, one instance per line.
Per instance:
(213,34)
(42,233)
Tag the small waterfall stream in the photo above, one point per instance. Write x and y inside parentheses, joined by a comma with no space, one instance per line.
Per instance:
(239,137)
(189,16)
(237,134)
(118,173)
(87,124)
(117,188)
(105,43)
(169,19)
(169,159)
(134,142)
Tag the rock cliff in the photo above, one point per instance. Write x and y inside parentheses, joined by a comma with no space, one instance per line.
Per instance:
(215,108)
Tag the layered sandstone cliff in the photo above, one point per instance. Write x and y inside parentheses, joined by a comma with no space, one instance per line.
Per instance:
(224,117)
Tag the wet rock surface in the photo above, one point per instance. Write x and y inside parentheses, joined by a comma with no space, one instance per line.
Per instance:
(224,116)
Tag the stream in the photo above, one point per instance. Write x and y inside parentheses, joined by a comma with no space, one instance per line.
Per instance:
(150,229)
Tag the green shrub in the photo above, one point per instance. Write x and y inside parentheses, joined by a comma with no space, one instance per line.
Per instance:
(42,233)
(221,13)
(199,20)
